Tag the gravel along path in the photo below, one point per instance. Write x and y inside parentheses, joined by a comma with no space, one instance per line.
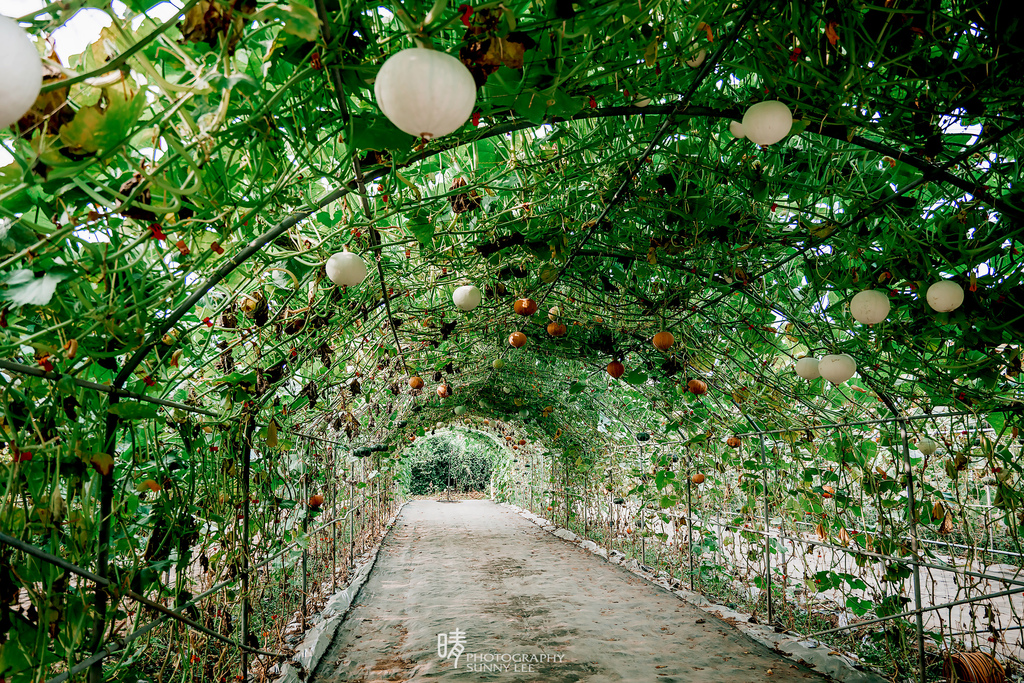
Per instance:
(516,604)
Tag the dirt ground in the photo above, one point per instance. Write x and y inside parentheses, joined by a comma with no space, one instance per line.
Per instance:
(530,607)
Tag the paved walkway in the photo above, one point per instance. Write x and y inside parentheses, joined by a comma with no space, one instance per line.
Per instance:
(531,607)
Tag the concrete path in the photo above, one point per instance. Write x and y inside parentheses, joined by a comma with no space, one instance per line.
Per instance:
(527,607)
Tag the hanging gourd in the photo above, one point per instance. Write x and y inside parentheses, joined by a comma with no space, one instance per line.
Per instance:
(927,445)
(697,387)
(460,410)
(945,296)
(733,442)
(467,297)
(22,73)
(416,382)
(524,413)
(554,313)
(444,391)
(517,339)
(498,364)
(736,128)
(525,307)
(837,368)
(556,329)
(697,479)
(615,369)
(425,93)
(346,269)
(663,341)
(807,367)
(697,59)
(870,307)
(765,123)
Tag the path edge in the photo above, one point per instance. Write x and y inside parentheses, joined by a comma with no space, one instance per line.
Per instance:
(810,653)
(318,639)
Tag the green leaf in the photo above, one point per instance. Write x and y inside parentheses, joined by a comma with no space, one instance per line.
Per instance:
(134,411)
(421,228)
(299,20)
(24,288)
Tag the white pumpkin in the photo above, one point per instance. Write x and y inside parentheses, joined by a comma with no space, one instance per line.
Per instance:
(697,59)
(927,445)
(945,296)
(837,368)
(424,92)
(22,72)
(765,123)
(807,367)
(467,297)
(346,268)
(498,364)
(736,128)
(870,306)
(641,101)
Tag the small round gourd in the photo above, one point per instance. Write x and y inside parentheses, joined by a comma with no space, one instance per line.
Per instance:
(22,74)
(927,445)
(517,339)
(697,59)
(425,93)
(945,296)
(498,364)
(346,268)
(837,368)
(870,306)
(736,128)
(467,297)
(663,341)
(765,123)
(807,367)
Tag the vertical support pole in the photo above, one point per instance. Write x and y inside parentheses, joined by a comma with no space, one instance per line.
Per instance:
(246,461)
(305,528)
(767,533)
(99,601)
(689,521)
(351,526)
(912,515)
(611,509)
(333,478)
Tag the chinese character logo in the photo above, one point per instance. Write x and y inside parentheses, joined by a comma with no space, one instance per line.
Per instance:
(451,645)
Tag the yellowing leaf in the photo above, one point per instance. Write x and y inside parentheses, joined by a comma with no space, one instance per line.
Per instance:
(651,53)
(106,124)
(830,33)
(103,463)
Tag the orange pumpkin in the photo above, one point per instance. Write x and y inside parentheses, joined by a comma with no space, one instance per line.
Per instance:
(416,382)
(733,441)
(663,341)
(517,339)
(697,479)
(697,387)
(557,329)
(525,306)
(616,369)
(522,442)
